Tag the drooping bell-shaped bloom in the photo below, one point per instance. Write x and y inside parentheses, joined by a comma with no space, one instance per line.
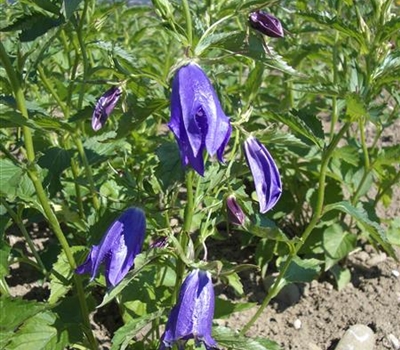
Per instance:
(118,248)
(266,24)
(265,173)
(236,215)
(191,317)
(197,119)
(105,106)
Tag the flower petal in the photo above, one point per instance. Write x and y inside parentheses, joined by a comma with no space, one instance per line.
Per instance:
(265,174)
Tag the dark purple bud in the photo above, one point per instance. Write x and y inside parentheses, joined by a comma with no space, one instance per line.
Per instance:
(118,248)
(265,173)
(197,119)
(105,106)
(191,317)
(266,24)
(236,215)
(160,242)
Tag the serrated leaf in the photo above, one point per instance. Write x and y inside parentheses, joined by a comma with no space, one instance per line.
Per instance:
(230,339)
(235,283)
(211,40)
(16,311)
(254,48)
(355,107)
(32,26)
(298,126)
(373,228)
(346,153)
(126,333)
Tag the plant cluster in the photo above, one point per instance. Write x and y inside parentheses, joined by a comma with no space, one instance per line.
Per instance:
(153,132)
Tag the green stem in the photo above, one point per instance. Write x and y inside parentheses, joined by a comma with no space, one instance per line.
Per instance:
(88,171)
(17,219)
(4,290)
(40,192)
(188,18)
(75,174)
(313,222)
(184,236)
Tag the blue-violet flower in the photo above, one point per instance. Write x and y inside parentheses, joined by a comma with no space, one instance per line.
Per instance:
(265,174)
(105,106)
(191,317)
(197,119)
(118,248)
(266,24)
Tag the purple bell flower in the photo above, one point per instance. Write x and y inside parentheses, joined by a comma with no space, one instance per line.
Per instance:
(236,215)
(197,119)
(105,106)
(118,248)
(191,317)
(266,24)
(265,174)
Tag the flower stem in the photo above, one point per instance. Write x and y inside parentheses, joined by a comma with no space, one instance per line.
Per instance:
(88,171)
(184,236)
(188,18)
(277,286)
(41,194)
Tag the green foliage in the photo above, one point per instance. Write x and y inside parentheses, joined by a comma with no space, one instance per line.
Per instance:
(324,100)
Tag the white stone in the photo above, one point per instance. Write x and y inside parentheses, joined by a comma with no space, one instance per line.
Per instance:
(357,337)
(395,273)
(394,341)
(297,324)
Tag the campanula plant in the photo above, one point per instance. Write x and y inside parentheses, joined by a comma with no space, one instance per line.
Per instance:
(191,317)
(265,173)
(118,248)
(197,119)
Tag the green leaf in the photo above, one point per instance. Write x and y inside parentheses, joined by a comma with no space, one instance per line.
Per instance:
(39,333)
(32,26)
(393,233)
(61,275)
(254,82)
(337,243)
(11,119)
(355,107)
(373,228)
(211,40)
(234,282)
(298,126)
(16,311)
(346,153)
(5,250)
(10,176)
(68,7)
(225,308)
(141,261)
(230,339)
(342,276)
(300,270)
(126,333)
(265,229)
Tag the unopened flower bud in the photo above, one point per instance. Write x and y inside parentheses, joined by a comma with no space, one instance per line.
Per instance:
(236,215)
(266,24)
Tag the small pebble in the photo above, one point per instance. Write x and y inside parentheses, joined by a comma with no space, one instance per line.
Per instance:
(377,259)
(394,341)
(395,273)
(357,337)
(297,323)
(362,256)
